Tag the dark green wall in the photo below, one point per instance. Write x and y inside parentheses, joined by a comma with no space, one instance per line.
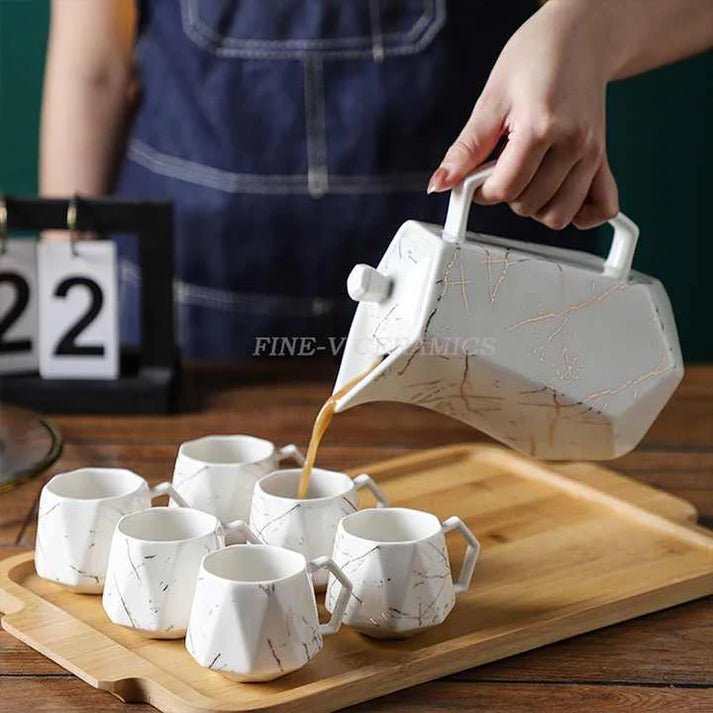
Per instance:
(661,157)
(657,137)
(23,32)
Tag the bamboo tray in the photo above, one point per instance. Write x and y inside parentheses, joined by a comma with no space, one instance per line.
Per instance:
(565,551)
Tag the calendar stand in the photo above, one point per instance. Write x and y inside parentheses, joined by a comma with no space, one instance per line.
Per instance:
(149,376)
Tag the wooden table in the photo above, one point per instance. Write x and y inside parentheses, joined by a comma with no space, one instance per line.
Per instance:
(661,662)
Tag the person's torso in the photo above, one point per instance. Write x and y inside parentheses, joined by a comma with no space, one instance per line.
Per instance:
(294,137)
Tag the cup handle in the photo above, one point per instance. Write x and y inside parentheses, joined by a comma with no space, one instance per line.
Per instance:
(167,488)
(471,554)
(340,606)
(241,527)
(366,481)
(290,451)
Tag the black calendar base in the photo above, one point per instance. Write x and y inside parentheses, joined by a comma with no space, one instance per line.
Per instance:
(146,392)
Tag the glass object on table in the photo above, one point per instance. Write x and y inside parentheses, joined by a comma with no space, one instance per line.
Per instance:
(29,443)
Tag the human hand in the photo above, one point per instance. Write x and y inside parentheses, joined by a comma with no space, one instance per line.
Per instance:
(546,93)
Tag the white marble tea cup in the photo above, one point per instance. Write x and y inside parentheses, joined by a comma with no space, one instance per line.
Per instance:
(153,565)
(307,525)
(77,514)
(254,614)
(217,474)
(398,564)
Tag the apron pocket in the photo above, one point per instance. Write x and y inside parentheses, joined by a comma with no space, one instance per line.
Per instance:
(257,29)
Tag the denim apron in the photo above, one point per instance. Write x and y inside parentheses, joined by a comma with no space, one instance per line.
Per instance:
(294,137)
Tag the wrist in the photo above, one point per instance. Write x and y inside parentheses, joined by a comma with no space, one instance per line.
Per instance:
(602,25)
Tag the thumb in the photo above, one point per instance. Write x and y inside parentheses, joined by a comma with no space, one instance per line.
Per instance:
(476,141)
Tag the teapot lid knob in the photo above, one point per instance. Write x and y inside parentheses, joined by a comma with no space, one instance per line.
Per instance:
(366,284)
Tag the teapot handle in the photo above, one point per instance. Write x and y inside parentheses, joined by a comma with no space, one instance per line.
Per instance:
(621,253)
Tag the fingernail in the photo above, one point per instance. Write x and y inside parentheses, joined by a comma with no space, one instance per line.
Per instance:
(438,180)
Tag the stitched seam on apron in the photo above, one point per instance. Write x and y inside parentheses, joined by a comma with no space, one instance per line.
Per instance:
(283,305)
(188,294)
(267,184)
(316,127)
(377,38)
(190,13)
(221,46)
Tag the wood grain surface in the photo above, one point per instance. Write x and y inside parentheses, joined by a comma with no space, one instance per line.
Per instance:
(660,662)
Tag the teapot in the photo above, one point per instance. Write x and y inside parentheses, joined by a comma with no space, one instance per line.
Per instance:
(558,353)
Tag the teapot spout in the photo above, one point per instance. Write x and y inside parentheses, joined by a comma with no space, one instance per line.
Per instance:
(356,379)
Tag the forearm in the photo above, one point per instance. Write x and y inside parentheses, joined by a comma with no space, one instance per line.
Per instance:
(637,35)
(81,128)
(84,108)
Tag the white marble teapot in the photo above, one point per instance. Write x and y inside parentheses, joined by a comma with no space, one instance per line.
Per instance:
(557,353)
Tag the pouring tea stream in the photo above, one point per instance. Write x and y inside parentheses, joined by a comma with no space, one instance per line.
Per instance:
(321,424)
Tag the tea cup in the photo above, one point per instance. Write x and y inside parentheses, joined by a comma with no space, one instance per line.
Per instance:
(254,614)
(153,565)
(398,564)
(307,525)
(77,514)
(217,474)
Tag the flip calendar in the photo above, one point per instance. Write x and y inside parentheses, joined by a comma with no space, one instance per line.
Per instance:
(60,346)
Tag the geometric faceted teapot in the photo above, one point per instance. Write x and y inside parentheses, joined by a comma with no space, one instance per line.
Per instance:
(557,353)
